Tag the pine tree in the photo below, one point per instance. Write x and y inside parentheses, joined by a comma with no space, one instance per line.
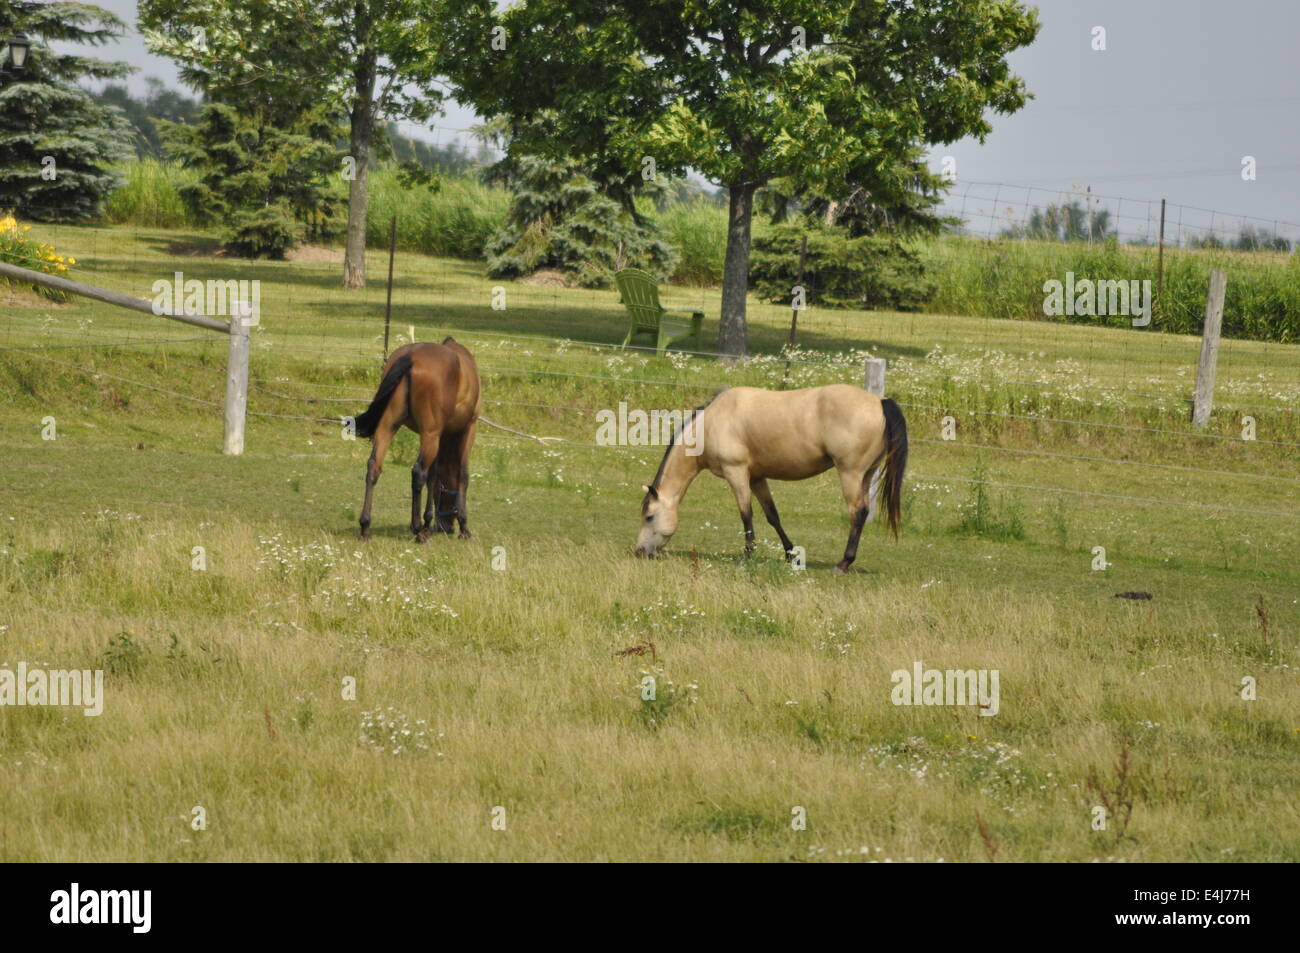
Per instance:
(57,145)
(560,218)
(265,186)
(856,255)
(565,216)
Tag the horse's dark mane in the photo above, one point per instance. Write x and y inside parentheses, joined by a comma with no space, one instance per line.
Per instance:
(654,485)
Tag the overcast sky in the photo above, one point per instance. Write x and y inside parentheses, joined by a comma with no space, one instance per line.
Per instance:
(1183,91)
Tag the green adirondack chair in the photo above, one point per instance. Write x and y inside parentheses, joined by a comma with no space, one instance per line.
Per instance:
(640,296)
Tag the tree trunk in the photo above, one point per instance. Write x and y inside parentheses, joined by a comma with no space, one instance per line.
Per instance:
(732,330)
(359,142)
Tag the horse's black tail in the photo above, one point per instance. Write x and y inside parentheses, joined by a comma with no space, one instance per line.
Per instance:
(368,421)
(891,484)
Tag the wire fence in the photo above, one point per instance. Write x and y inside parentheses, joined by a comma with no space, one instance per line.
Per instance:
(360,396)
(1004,210)
(595,313)
(434,303)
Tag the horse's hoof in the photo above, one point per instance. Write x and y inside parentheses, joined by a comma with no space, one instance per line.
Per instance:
(422,536)
(841,569)
(365,536)
(465,534)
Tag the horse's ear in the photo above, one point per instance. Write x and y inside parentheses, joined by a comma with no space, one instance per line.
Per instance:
(651,492)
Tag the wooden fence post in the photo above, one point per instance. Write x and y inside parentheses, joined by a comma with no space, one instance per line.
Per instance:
(875,381)
(1203,401)
(237,376)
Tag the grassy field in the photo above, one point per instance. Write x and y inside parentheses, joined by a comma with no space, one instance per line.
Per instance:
(514,692)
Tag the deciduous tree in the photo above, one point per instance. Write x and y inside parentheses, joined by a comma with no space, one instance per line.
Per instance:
(744,91)
(373,60)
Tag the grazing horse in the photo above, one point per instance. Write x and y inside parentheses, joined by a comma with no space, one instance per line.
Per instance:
(748,435)
(434,390)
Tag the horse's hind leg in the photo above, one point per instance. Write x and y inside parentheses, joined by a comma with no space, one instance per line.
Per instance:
(873,492)
(421,473)
(853,483)
(383,437)
(764,494)
(462,512)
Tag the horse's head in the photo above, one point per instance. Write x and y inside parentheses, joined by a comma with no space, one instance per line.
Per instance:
(658,523)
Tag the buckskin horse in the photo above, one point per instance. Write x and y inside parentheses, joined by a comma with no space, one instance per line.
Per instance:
(433,389)
(748,435)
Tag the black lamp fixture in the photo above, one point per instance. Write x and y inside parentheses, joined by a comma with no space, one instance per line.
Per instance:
(19,45)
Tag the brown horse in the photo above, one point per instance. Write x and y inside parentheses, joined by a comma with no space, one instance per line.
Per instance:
(434,390)
(748,435)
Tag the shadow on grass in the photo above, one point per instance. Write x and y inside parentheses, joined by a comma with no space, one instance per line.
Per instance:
(538,312)
(769,564)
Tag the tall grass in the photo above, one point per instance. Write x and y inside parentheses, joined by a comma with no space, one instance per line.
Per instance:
(453,222)
(1004,279)
(150,196)
(699,232)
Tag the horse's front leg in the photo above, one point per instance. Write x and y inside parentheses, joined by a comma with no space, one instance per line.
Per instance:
(764,494)
(738,478)
(430,489)
(374,467)
(447,488)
